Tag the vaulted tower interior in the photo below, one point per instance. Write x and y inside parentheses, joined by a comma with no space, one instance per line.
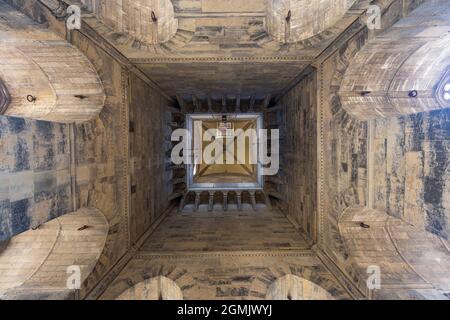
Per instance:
(350,200)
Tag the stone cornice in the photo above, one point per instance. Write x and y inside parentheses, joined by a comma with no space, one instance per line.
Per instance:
(194,254)
(255,59)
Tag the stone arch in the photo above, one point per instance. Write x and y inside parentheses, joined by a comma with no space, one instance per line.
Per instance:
(157,288)
(345,126)
(5,98)
(263,285)
(149,21)
(398,73)
(46,77)
(34,264)
(408,257)
(293,21)
(291,287)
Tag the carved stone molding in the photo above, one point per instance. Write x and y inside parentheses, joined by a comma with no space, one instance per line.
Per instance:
(223,59)
(228,254)
(5,98)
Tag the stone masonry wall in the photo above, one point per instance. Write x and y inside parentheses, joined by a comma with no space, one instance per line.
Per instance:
(35,184)
(101,147)
(149,192)
(412,165)
(218,276)
(397,166)
(299,153)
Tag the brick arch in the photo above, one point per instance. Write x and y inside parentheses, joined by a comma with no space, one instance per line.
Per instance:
(34,264)
(398,72)
(46,77)
(344,195)
(156,288)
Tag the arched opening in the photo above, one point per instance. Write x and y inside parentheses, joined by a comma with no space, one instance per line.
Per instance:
(158,288)
(37,264)
(291,287)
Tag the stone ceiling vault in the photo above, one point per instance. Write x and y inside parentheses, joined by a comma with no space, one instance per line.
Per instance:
(221,47)
(399,71)
(326,164)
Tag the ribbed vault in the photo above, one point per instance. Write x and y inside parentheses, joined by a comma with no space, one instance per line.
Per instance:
(316,237)
(400,71)
(293,20)
(407,255)
(46,77)
(150,21)
(42,258)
